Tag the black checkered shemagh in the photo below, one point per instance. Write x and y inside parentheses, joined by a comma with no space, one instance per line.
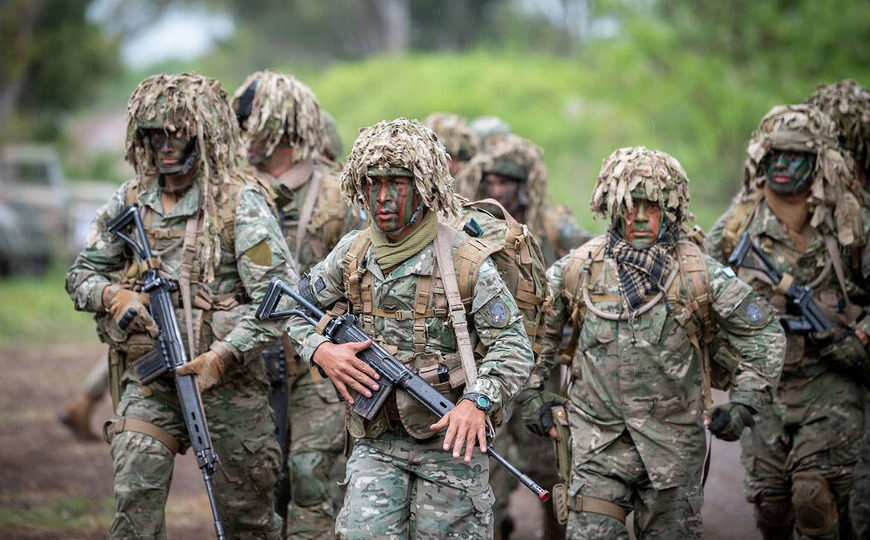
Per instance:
(641,271)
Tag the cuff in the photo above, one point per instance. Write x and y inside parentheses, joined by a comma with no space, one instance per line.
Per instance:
(224,350)
(97,299)
(310,345)
(752,400)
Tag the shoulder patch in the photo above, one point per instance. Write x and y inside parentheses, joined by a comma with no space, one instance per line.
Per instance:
(497,313)
(260,254)
(753,313)
(728,272)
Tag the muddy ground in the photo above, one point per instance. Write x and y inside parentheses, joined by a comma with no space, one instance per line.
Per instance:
(54,487)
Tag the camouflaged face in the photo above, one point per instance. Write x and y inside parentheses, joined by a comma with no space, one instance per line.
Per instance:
(401,143)
(189,104)
(657,174)
(515,157)
(806,129)
(848,104)
(282,105)
(458,139)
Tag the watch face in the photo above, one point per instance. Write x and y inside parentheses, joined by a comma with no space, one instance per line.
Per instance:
(483,402)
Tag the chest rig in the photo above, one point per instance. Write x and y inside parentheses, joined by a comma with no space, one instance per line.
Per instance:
(686,290)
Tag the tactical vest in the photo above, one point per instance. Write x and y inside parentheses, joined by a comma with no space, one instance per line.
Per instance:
(444,371)
(687,290)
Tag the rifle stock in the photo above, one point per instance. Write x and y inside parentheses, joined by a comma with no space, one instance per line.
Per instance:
(393,373)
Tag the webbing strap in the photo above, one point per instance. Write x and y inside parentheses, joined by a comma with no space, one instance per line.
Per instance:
(131,424)
(834,254)
(597,506)
(188,250)
(306,213)
(444,257)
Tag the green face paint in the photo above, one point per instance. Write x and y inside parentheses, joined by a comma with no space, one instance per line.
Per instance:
(788,172)
(641,225)
(392,202)
(173,153)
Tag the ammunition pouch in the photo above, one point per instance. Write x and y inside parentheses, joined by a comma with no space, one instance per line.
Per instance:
(149,367)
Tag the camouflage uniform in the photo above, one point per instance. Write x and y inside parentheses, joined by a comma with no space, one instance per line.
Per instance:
(799,456)
(399,481)
(639,377)
(309,192)
(848,104)
(460,141)
(240,249)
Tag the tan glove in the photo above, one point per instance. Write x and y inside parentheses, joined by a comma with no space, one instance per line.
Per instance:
(208,367)
(130,311)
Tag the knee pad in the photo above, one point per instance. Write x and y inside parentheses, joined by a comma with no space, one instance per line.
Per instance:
(309,482)
(814,506)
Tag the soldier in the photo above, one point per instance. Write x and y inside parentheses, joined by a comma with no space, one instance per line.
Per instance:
(489,126)
(333,148)
(510,170)
(848,104)
(282,128)
(459,140)
(214,233)
(798,207)
(77,413)
(400,482)
(643,302)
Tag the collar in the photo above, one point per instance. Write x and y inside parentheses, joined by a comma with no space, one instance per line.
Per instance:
(186,206)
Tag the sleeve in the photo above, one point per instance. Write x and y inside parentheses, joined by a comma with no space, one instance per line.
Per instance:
(102,255)
(713,240)
(569,232)
(498,323)
(326,288)
(554,326)
(261,254)
(749,325)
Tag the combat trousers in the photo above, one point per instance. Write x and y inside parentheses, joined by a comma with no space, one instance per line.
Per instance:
(859,505)
(617,474)
(242,431)
(317,437)
(399,487)
(811,432)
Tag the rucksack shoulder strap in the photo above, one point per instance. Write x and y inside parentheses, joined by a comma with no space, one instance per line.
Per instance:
(353,270)
(738,221)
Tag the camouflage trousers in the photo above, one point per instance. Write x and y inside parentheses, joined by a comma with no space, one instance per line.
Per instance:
(242,429)
(399,487)
(617,474)
(317,437)
(859,504)
(811,433)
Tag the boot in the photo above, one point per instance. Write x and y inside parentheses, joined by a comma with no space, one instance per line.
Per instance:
(77,417)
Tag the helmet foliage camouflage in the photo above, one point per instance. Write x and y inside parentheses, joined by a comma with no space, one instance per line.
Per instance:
(657,174)
(489,126)
(458,139)
(804,128)
(281,105)
(514,157)
(332,147)
(400,144)
(848,104)
(192,106)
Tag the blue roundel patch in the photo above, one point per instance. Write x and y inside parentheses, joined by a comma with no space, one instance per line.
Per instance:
(498,316)
(754,314)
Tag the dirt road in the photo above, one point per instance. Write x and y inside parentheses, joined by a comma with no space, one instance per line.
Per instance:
(54,487)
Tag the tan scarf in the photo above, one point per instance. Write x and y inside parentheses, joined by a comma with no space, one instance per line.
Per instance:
(793,213)
(389,253)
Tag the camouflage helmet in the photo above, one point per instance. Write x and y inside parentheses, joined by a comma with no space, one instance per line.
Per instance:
(848,104)
(460,141)
(190,105)
(332,147)
(489,126)
(804,128)
(514,157)
(659,175)
(281,105)
(401,146)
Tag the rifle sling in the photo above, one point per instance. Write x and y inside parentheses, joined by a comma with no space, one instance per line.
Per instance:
(834,253)
(305,214)
(188,253)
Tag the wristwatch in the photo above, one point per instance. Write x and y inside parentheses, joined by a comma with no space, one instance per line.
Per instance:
(480,401)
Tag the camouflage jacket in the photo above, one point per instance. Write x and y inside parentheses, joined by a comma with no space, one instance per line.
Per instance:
(256,254)
(557,231)
(502,348)
(812,267)
(646,377)
(327,215)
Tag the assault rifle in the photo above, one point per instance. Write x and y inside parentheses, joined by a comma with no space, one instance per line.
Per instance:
(276,367)
(803,315)
(393,373)
(170,353)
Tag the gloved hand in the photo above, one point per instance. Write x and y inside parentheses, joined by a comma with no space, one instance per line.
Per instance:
(208,367)
(727,421)
(847,350)
(536,407)
(130,311)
